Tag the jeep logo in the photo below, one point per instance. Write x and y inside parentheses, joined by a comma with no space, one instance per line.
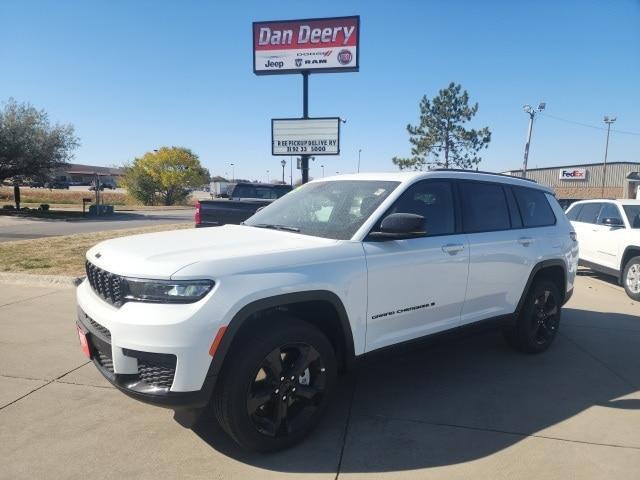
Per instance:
(271,64)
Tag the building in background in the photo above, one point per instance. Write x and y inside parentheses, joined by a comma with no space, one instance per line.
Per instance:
(77,174)
(582,182)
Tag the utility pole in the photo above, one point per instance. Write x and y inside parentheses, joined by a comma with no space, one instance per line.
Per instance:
(608,120)
(305,114)
(532,114)
(359,152)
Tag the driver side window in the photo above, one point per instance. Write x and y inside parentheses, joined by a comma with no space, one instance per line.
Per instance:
(434,201)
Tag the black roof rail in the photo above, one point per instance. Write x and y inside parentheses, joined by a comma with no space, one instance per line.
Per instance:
(479,171)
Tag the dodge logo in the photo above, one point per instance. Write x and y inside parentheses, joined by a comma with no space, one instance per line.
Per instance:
(298,62)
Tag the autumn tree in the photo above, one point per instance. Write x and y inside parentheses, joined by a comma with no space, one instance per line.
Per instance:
(441,138)
(164,176)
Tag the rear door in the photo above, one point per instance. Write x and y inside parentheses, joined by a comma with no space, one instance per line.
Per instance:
(417,286)
(501,251)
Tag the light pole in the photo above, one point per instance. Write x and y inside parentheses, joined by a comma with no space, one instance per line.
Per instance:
(359,152)
(233,173)
(322,167)
(532,114)
(283,162)
(608,120)
(267,176)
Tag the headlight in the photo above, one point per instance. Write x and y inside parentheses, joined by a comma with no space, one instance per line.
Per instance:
(165,291)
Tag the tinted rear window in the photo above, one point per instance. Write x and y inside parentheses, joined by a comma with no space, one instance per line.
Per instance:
(484,207)
(534,207)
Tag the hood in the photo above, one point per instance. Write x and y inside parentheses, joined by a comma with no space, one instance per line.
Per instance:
(159,255)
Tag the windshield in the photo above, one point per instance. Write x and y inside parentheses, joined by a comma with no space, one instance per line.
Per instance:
(633,214)
(335,209)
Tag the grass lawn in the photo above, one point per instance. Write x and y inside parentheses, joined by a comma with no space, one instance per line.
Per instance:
(62,255)
(44,195)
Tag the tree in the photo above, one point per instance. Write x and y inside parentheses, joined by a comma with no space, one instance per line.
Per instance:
(30,147)
(164,176)
(441,139)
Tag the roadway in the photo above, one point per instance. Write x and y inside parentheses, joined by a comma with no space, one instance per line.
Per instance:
(19,228)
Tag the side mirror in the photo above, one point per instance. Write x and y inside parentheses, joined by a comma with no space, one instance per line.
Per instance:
(398,226)
(613,222)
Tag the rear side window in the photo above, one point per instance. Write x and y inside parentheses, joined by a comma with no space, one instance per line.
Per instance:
(589,213)
(573,213)
(534,207)
(484,207)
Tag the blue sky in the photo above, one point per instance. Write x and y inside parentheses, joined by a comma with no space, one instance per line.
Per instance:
(132,76)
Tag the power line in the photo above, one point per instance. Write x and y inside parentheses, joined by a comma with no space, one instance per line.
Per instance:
(588,125)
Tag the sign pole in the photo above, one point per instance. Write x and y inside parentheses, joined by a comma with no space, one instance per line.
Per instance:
(305,114)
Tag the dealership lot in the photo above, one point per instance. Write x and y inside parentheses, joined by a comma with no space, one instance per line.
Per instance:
(462,408)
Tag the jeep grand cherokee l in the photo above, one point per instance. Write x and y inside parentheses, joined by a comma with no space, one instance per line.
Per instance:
(256,320)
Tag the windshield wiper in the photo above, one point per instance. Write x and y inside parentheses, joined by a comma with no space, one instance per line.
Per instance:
(276,227)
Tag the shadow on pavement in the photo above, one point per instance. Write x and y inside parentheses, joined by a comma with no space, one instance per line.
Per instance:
(462,399)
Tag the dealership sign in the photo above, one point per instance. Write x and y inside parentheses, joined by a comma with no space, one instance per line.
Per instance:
(305,136)
(573,174)
(315,45)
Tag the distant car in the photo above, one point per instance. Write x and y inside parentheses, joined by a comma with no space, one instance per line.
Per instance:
(57,184)
(35,184)
(108,186)
(609,236)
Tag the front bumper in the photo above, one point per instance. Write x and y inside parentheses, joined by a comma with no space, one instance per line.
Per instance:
(147,372)
(148,388)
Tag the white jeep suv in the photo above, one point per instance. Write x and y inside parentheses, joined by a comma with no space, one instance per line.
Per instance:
(609,235)
(256,320)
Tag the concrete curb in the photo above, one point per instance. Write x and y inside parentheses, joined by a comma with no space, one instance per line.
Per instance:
(59,281)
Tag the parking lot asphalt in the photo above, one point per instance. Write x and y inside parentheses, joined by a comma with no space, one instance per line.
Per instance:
(18,228)
(462,408)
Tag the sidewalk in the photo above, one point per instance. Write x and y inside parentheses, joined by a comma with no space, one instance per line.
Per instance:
(467,408)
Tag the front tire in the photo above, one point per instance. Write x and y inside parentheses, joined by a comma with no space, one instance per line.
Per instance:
(275,384)
(631,278)
(537,324)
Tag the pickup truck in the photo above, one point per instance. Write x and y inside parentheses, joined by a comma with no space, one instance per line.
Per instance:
(244,200)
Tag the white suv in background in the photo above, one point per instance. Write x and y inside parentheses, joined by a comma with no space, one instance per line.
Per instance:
(609,235)
(256,320)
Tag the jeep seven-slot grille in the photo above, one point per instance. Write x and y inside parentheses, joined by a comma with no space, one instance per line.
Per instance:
(107,285)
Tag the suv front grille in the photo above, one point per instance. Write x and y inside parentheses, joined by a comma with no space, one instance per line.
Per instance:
(104,331)
(107,285)
(155,369)
(156,374)
(104,359)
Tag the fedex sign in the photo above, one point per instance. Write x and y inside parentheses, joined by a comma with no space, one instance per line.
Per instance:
(573,174)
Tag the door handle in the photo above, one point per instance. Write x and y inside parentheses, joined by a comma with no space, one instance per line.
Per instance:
(525,241)
(452,248)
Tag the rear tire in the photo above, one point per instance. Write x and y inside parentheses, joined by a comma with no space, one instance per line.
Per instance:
(275,384)
(537,324)
(631,278)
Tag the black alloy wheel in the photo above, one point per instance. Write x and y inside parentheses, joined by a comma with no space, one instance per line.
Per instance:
(275,383)
(287,390)
(546,317)
(537,323)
